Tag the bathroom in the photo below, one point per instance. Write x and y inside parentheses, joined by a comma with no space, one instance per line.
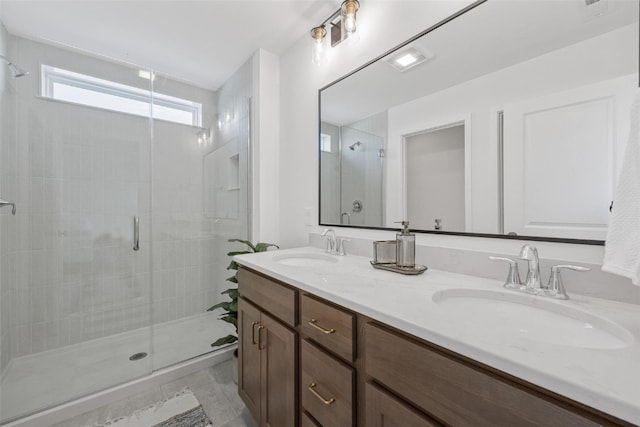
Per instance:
(243,169)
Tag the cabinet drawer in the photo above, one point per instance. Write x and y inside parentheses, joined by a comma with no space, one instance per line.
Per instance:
(306,421)
(328,326)
(271,296)
(456,392)
(384,410)
(327,387)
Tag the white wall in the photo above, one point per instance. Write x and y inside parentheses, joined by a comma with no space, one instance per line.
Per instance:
(382,25)
(265,148)
(483,97)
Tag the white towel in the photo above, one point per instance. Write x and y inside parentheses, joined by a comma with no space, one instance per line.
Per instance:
(622,248)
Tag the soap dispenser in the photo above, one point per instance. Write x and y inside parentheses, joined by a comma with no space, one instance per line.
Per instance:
(405,247)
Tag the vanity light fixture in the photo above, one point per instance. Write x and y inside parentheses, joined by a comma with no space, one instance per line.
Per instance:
(343,27)
(408,58)
(318,49)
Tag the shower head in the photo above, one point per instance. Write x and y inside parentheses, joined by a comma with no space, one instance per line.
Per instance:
(15,71)
(353,146)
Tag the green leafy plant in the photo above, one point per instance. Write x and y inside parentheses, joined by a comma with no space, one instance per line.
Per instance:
(230,308)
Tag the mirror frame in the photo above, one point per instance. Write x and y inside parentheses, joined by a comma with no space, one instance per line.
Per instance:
(450,233)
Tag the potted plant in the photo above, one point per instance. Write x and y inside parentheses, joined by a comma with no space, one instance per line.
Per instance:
(230,308)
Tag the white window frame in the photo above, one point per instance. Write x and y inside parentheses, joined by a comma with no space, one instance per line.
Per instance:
(51,75)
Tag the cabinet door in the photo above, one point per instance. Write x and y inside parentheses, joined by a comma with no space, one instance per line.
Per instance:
(383,410)
(278,348)
(249,356)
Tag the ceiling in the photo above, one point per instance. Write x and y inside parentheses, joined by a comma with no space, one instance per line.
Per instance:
(203,42)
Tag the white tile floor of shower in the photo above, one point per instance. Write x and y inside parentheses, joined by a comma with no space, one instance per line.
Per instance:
(43,380)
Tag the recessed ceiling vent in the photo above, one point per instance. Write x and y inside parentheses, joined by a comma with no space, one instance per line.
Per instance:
(406,59)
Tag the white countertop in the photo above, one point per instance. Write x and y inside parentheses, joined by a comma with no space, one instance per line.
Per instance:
(605,379)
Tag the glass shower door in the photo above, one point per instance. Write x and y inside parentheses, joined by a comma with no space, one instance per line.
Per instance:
(80,306)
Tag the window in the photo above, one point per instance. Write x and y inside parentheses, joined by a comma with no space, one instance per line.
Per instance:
(325,143)
(64,85)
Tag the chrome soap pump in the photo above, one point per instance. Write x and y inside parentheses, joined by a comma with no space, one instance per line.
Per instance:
(405,247)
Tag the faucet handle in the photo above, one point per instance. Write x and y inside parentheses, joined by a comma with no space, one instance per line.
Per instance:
(340,243)
(513,278)
(555,289)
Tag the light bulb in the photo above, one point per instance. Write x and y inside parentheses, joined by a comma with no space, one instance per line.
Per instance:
(349,9)
(350,24)
(318,49)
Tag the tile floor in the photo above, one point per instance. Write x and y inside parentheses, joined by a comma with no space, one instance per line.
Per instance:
(214,388)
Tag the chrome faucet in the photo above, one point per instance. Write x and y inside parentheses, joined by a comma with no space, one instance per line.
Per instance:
(330,235)
(533,285)
(530,253)
(335,245)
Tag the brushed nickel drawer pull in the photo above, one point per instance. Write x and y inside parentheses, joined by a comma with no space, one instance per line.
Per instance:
(253,332)
(314,323)
(312,387)
(260,346)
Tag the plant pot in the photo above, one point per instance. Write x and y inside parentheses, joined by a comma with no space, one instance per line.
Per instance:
(234,366)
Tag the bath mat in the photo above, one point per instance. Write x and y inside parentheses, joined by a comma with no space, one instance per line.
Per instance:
(181,410)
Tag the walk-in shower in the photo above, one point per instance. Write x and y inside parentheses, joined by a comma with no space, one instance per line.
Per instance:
(85,148)
(15,71)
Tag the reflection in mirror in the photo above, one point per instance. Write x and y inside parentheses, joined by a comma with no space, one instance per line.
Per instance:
(496,125)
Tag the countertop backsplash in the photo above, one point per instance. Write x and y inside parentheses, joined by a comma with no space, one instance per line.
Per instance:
(595,283)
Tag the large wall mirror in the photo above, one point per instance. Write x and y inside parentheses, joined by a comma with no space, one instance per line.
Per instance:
(508,119)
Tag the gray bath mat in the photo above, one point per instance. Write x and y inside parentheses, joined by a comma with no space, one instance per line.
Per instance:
(181,410)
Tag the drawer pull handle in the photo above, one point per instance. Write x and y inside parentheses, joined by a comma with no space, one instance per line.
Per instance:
(314,323)
(260,346)
(253,332)
(312,387)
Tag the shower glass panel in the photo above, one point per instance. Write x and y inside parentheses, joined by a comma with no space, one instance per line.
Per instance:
(361,177)
(200,200)
(75,295)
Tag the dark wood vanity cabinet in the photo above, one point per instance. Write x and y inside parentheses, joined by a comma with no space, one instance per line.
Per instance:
(267,355)
(336,368)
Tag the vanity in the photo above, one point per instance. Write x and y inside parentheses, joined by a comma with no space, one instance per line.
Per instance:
(328,341)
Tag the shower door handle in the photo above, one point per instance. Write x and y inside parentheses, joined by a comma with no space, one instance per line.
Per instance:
(5,203)
(136,233)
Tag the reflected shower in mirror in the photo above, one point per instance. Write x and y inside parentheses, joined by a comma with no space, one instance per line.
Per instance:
(496,125)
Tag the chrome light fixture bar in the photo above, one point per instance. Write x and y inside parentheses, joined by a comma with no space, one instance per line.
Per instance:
(343,27)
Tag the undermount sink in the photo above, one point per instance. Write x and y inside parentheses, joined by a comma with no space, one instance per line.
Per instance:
(305,259)
(534,318)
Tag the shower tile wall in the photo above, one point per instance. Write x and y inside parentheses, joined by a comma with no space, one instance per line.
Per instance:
(78,176)
(197,203)
(362,169)
(227,212)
